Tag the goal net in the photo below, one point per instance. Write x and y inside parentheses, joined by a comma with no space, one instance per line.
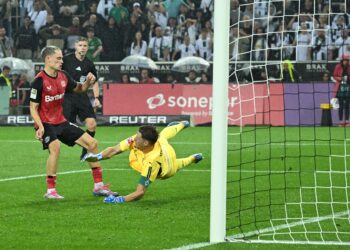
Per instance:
(287,174)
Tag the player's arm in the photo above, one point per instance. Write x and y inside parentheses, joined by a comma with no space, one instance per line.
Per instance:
(109,152)
(35,99)
(90,79)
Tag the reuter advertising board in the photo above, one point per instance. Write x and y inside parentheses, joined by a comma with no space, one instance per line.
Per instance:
(249,104)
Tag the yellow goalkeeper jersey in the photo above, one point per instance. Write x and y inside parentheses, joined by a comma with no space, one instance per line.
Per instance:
(159,163)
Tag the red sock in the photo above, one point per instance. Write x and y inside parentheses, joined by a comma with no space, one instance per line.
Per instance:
(97,174)
(51,181)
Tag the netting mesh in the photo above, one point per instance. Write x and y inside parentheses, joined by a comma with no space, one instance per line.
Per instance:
(288,167)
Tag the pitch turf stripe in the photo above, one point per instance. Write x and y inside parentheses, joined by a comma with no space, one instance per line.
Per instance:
(273,229)
(207,143)
(129,169)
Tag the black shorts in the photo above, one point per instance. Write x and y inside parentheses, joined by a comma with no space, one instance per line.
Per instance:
(66,132)
(75,104)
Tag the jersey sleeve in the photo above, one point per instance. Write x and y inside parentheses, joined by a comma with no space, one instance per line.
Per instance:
(93,69)
(128,143)
(36,89)
(71,82)
(149,172)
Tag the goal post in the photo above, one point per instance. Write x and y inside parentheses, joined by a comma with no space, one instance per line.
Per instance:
(219,122)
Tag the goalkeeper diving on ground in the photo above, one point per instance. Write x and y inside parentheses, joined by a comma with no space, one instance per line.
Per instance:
(150,154)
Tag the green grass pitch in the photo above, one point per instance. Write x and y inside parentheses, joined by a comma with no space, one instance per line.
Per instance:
(173,213)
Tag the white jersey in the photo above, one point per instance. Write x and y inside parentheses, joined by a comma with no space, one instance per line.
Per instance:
(303,46)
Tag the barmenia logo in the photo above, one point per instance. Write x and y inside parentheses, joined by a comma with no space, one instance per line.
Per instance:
(184,102)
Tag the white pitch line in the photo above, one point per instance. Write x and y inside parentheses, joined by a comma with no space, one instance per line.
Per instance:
(270,229)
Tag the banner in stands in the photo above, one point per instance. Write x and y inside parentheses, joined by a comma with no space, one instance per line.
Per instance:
(249,104)
(112,72)
(26,120)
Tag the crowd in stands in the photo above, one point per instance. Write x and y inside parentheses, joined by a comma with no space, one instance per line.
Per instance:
(170,29)
(290,30)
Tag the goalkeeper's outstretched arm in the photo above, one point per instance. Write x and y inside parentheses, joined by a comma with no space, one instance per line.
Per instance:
(104,155)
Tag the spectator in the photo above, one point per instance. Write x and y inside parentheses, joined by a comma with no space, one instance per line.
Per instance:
(26,40)
(158,47)
(192,77)
(95,45)
(5,44)
(234,12)
(341,75)
(104,7)
(54,36)
(65,16)
(204,78)
(157,9)
(39,14)
(19,95)
(112,42)
(170,79)
(145,77)
(92,9)
(69,6)
(6,15)
(5,78)
(138,13)
(321,46)
(289,74)
(26,86)
(204,45)
(92,22)
(119,12)
(74,32)
(185,49)
(343,44)
(130,31)
(303,44)
(125,78)
(138,46)
(326,77)
(259,46)
(172,7)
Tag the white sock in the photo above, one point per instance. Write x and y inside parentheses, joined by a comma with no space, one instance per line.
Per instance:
(49,190)
(98,184)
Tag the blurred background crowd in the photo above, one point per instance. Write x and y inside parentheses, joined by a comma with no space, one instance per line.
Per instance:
(170,29)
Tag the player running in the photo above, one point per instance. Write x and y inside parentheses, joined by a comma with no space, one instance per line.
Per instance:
(78,104)
(46,96)
(151,155)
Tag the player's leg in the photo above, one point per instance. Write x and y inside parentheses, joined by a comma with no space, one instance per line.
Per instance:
(90,143)
(184,162)
(173,128)
(51,142)
(51,170)
(86,113)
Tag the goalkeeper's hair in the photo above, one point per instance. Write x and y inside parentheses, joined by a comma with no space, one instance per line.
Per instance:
(149,133)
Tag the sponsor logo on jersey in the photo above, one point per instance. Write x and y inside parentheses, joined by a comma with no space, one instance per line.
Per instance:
(33,93)
(49,98)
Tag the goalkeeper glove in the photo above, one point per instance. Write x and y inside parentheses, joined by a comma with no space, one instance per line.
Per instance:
(89,157)
(335,103)
(114,199)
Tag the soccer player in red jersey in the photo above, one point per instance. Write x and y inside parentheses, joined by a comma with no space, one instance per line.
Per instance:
(46,98)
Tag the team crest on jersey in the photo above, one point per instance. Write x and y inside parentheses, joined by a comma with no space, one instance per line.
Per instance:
(63,83)
(130,140)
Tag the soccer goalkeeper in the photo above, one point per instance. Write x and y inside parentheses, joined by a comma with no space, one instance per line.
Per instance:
(151,155)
